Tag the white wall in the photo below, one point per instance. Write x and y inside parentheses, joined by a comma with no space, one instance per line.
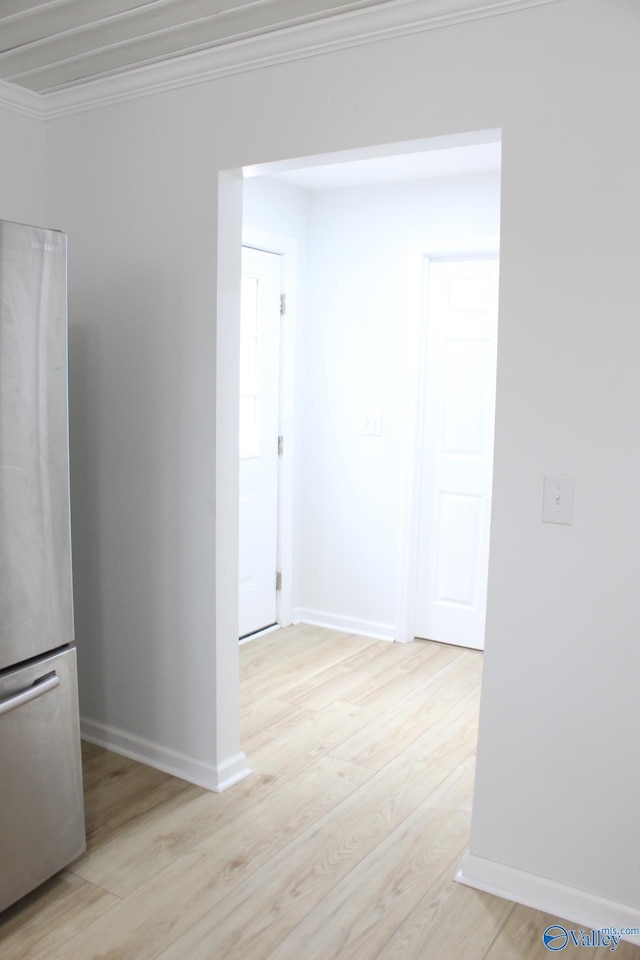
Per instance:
(277,207)
(23,169)
(357,357)
(139,203)
(136,189)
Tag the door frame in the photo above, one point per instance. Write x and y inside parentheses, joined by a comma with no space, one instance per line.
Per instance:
(231,762)
(415,465)
(287,249)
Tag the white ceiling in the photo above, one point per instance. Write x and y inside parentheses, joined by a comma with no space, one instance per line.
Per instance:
(49,45)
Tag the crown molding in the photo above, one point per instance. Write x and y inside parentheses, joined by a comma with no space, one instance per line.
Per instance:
(394,18)
(21,101)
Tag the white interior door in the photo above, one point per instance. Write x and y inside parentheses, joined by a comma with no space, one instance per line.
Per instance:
(459,415)
(259,413)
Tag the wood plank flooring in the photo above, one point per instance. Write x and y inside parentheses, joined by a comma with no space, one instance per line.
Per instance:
(341,845)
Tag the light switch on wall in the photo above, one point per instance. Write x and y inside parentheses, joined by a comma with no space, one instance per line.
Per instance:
(372,425)
(558,498)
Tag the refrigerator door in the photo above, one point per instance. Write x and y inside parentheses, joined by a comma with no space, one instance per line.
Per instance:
(35,553)
(42,822)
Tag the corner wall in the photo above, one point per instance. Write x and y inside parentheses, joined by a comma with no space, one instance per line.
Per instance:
(138,197)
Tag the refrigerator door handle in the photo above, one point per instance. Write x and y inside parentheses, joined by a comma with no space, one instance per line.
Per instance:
(37,689)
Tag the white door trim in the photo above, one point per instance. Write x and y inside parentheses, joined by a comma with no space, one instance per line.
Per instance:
(287,248)
(225,502)
(416,378)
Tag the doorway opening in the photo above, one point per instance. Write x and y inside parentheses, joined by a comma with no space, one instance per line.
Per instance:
(354,426)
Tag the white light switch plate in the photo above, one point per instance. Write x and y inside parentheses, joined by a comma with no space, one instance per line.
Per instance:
(558,498)
(372,425)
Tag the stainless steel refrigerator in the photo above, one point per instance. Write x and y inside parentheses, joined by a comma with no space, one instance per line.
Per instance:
(41,804)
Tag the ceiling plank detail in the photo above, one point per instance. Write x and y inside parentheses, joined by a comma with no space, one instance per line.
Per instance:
(116,50)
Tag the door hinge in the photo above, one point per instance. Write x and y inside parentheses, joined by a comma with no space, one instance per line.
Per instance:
(283,304)
(278,580)
(280,445)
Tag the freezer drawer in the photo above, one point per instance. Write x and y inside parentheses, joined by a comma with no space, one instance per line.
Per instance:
(41,803)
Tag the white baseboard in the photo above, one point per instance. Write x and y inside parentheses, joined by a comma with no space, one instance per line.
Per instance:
(335,621)
(588,910)
(213,777)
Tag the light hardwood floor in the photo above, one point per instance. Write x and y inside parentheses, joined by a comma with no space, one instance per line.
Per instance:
(341,845)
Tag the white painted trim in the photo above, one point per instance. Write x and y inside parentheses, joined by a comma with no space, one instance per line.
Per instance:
(226,501)
(287,248)
(22,101)
(230,772)
(416,371)
(212,777)
(336,621)
(577,906)
(394,18)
